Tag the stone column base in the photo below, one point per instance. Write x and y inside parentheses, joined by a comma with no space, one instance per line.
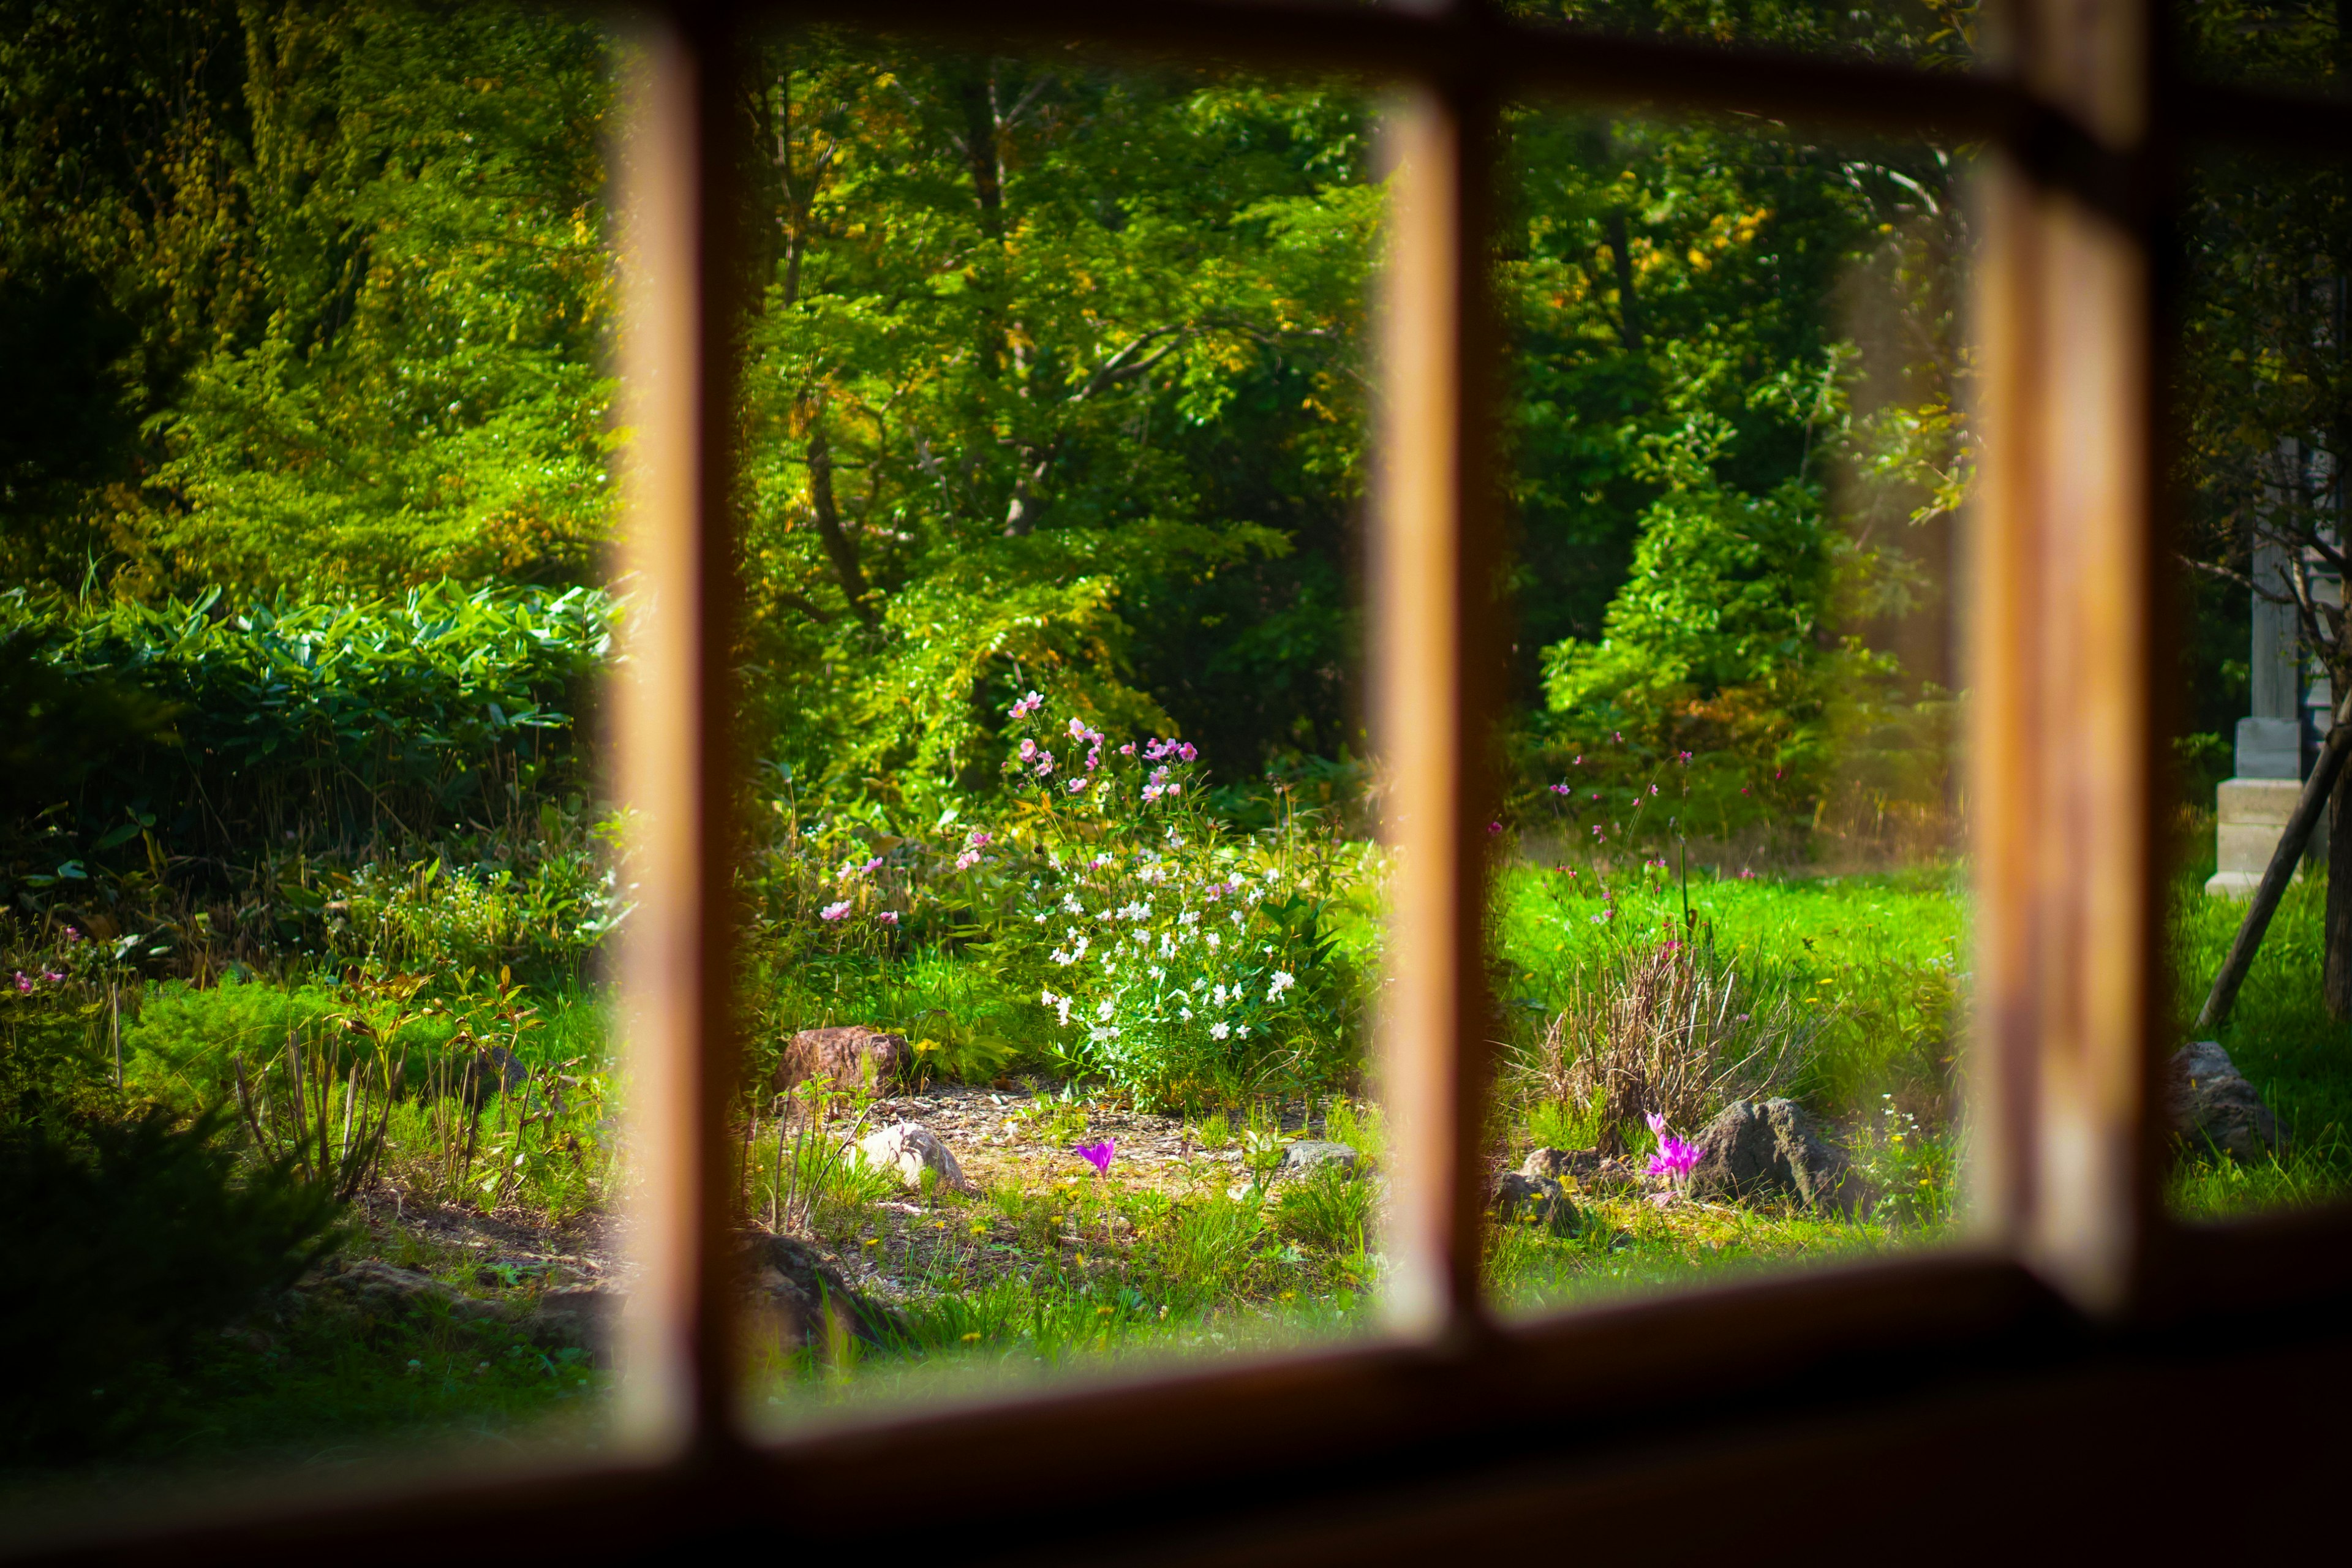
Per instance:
(2253,814)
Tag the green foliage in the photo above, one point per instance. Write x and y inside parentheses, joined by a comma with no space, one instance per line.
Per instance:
(145,1237)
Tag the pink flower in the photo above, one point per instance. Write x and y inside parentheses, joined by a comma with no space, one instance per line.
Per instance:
(1618,736)
(22,982)
(834,911)
(1597,833)
(1044,763)
(1128,749)
(978,839)
(1098,1155)
(889,917)
(1653,789)
(1494,827)
(72,935)
(1186,751)
(1028,705)
(51,975)
(1559,789)
(1077,786)
(873,864)
(1675,1158)
(1028,748)
(967,860)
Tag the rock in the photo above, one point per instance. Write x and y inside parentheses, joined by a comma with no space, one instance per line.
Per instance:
(566,1316)
(2213,1106)
(379,1288)
(1581,1170)
(908,1149)
(804,1300)
(1311,1155)
(848,1056)
(496,1070)
(1766,1149)
(1518,1194)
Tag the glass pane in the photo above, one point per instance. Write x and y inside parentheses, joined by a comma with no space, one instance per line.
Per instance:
(1936,36)
(305,1112)
(2259,1099)
(1729,912)
(2296,46)
(1061,888)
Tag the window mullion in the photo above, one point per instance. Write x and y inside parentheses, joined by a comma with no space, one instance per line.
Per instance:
(672,701)
(1434,668)
(2062,681)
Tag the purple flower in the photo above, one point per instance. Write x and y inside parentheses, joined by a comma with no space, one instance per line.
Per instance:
(52,975)
(22,982)
(1675,1158)
(1098,1154)
(72,935)
(1186,751)
(1494,827)
(834,911)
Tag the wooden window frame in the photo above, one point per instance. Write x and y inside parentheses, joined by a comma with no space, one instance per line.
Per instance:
(2073,1262)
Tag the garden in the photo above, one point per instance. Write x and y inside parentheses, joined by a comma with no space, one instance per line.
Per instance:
(1061,886)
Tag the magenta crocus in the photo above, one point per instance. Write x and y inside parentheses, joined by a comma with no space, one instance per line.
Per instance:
(1098,1155)
(1675,1158)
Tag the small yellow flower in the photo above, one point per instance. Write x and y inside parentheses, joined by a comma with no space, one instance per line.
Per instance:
(873,1241)
(971,1339)
(1102,1312)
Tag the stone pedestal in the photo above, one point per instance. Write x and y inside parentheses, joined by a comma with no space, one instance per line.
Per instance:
(2254,812)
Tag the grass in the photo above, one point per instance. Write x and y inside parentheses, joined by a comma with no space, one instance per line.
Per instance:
(1038,1271)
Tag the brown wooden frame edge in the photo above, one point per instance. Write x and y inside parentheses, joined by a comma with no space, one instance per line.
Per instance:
(1575,1416)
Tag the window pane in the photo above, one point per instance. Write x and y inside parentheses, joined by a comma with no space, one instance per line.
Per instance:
(306,1117)
(1062,893)
(2258,1099)
(1729,919)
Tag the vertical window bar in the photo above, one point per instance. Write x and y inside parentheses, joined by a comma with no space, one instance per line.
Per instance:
(2062,744)
(672,707)
(1432,599)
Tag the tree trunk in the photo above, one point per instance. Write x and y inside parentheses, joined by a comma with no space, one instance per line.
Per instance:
(2336,981)
(838,546)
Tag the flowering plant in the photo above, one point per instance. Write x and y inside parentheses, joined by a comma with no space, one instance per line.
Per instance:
(1180,960)
(1675,1158)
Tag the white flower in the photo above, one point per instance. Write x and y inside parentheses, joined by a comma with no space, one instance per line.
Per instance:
(1062,957)
(1167,946)
(1237,917)
(1104,1012)
(1070,905)
(1283,980)
(1219,995)
(1190,917)
(1218,1031)
(1245,1031)
(1215,942)
(1062,1005)
(1185,1014)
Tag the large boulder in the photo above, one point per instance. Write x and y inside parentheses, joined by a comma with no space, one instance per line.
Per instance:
(2213,1106)
(846,1057)
(907,1150)
(1770,1149)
